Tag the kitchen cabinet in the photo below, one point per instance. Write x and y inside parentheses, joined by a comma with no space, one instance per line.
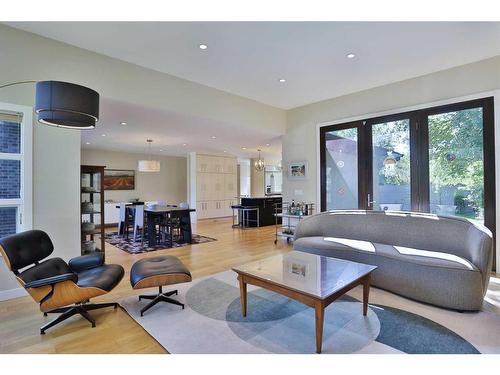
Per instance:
(216,185)
(217,191)
(230,186)
(202,164)
(230,166)
(202,186)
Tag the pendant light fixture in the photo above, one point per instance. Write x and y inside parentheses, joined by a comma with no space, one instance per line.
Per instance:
(149,165)
(64,104)
(259,164)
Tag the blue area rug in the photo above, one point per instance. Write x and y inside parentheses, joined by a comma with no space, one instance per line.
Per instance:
(402,330)
(212,323)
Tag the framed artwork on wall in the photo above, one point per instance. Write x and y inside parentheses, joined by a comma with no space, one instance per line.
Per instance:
(119,179)
(298,170)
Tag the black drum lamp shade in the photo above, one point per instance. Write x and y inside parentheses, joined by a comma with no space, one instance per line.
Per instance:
(66,105)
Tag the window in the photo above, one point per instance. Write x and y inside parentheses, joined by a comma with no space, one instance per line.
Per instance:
(438,160)
(15,169)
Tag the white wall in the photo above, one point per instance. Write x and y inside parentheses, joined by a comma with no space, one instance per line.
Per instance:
(256,180)
(244,177)
(301,139)
(170,184)
(56,186)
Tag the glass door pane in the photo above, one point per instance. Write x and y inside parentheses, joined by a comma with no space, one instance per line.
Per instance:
(391,166)
(341,159)
(456,165)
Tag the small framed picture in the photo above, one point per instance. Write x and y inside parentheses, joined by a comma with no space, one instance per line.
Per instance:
(298,170)
(298,269)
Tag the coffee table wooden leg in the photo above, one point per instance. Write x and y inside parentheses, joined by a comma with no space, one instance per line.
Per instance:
(243,296)
(366,293)
(320,315)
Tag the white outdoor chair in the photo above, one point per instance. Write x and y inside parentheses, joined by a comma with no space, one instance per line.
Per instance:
(139,221)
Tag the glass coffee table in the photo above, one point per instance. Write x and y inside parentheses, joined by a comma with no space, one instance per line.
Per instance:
(313,280)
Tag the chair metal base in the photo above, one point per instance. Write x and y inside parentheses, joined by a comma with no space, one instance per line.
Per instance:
(67,312)
(160,297)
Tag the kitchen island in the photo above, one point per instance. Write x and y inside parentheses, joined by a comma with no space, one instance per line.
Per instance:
(266,206)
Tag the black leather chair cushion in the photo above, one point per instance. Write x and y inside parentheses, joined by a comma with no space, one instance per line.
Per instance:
(49,268)
(86,262)
(104,277)
(160,265)
(26,248)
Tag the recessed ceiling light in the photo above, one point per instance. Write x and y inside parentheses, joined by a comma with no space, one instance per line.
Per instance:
(87,143)
(203,46)
(282,80)
(103,135)
(214,137)
(267,144)
(224,151)
(350,55)
(123,123)
(243,148)
(161,150)
(184,144)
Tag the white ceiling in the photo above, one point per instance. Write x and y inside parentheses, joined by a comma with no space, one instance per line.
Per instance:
(170,131)
(248,58)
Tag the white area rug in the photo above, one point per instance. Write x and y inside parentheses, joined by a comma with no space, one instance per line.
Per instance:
(212,323)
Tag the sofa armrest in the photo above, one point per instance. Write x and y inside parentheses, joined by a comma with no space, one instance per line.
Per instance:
(86,262)
(480,251)
(309,226)
(52,280)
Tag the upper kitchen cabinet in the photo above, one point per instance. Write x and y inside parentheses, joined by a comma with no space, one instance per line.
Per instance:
(230,165)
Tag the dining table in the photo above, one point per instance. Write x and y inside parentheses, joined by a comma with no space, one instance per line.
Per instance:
(155,215)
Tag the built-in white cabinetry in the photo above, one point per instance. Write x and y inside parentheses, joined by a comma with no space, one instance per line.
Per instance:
(216,186)
(230,166)
(230,188)
(202,164)
(202,186)
(111,213)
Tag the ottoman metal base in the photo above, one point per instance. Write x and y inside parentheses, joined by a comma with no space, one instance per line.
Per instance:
(156,272)
(160,297)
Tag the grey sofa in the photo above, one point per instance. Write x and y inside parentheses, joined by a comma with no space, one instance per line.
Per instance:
(439,260)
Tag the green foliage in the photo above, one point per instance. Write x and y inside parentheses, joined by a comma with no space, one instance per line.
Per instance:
(393,137)
(456,152)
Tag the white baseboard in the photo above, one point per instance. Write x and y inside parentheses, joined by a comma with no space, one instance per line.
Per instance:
(12,293)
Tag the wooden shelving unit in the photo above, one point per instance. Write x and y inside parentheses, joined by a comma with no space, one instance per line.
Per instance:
(92,208)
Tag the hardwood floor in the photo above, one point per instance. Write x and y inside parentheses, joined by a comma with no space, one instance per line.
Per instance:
(116,332)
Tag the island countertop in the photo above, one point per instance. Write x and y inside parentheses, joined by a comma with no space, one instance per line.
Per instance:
(267,207)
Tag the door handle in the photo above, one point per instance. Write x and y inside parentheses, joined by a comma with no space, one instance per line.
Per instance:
(369,202)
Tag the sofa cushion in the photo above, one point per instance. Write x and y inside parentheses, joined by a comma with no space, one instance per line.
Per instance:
(428,276)
(406,254)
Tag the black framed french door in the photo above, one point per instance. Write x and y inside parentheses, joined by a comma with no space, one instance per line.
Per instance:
(361,164)
(439,159)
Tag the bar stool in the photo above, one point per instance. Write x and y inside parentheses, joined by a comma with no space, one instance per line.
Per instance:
(237,208)
(245,216)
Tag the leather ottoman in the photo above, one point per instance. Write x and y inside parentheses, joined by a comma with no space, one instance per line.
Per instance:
(158,272)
